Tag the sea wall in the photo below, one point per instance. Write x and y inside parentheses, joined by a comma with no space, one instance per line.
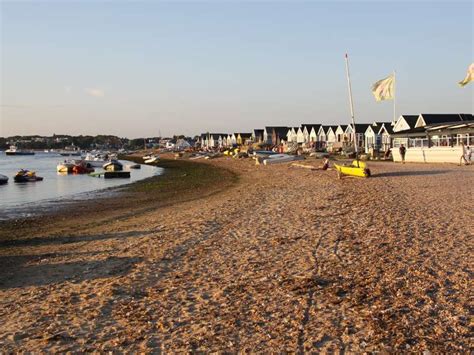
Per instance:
(430,155)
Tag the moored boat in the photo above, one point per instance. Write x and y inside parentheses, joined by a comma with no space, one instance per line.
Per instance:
(65,167)
(113,165)
(96,160)
(13,150)
(26,176)
(281,158)
(82,168)
(152,159)
(3,179)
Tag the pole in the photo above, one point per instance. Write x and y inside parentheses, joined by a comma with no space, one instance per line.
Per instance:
(352,108)
(394,101)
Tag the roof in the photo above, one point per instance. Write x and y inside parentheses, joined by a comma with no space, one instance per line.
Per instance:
(258,131)
(434,118)
(410,119)
(343,126)
(245,135)
(217,135)
(280,130)
(309,126)
(388,127)
(420,131)
(360,127)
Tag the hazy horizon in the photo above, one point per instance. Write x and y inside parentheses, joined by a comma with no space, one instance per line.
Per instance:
(136,69)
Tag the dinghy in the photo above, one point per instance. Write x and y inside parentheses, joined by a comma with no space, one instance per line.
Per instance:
(281,158)
(3,179)
(356,168)
(152,159)
(113,165)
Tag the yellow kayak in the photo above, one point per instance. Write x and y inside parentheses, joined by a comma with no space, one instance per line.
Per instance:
(357,168)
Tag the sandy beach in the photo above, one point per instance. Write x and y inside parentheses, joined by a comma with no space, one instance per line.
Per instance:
(281,258)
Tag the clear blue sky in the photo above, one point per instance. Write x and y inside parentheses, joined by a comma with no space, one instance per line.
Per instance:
(138,68)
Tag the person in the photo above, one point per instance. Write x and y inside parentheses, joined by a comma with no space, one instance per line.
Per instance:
(465,155)
(325,165)
(402,151)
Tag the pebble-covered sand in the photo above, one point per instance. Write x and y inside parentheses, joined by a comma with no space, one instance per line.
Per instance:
(288,259)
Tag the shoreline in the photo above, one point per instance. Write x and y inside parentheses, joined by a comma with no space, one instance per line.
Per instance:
(70,208)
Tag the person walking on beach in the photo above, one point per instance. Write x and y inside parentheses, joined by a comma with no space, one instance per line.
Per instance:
(402,151)
(465,155)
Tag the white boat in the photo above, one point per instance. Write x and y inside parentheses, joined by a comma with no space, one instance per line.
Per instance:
(3,179)
(281,158)
(95,160)
(15,151)
(152,159)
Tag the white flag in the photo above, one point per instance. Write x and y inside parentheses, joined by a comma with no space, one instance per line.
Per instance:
(384,89)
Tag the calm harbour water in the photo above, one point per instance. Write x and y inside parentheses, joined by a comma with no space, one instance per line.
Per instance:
(22,199)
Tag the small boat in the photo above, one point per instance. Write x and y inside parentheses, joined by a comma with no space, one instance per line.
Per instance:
(356,168)
(133,166)
(95,160)
(82,168)
(113,165)
(3,179)
(112,174)
(152,159)
(65,167)
(281,158)
(26,176)
(15,151)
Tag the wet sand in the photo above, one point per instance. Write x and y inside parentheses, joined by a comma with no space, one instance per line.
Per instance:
(284,259)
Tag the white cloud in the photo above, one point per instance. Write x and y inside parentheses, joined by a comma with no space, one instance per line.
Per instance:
(95,92)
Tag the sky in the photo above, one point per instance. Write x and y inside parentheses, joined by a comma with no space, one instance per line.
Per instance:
(146,68)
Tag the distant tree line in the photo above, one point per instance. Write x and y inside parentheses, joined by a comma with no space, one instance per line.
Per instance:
(81,142)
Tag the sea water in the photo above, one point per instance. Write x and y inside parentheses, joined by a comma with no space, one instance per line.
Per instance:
(22,199)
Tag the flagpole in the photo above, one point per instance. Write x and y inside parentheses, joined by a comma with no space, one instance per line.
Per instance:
(394,97)
(352,107)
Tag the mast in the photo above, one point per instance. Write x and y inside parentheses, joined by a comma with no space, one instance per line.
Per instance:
(394,91)
(352,108)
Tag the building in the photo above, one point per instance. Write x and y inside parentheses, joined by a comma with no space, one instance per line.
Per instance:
(433,137)
(257,135)
(275,135)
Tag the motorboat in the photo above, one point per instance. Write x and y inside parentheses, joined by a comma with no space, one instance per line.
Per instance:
(3,179)
(152,159)
(65,167)
(13,150)
(96,160)
(26,176)
(113,165)
(281,158)
(82,167)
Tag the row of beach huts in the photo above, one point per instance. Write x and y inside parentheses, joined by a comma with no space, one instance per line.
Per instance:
(427,137)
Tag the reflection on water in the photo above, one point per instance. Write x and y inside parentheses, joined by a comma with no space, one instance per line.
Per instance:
(15,197)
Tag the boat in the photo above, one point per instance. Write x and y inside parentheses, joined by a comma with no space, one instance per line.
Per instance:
(113,165)
(70,151)
(65,167)
(26,176)
(112,174)
(13,150)
(82,168)
(281,158)
(3,179)
(152,159)
(133,166)
(96,160)
(356,168)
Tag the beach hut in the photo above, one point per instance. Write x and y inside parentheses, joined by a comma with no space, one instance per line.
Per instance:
(385,133)
(275,135)
(360,129)
(292,134)
(331,137)
(257,135)
(405,122)
(243,138)
(321,143)
(310,132)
